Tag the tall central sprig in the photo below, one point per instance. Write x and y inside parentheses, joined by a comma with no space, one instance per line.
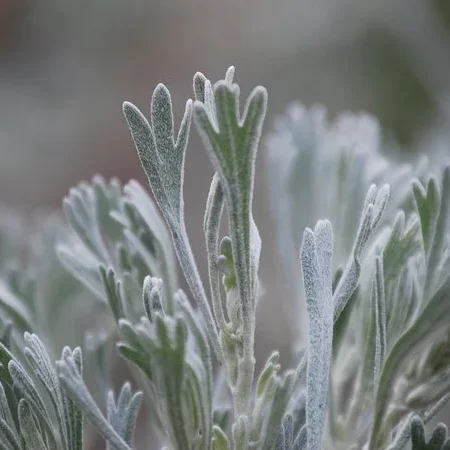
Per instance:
(232,142)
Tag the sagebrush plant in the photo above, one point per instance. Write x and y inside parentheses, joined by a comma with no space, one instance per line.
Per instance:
(374,279)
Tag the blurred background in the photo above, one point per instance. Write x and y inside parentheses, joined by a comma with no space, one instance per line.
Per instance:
(67,66)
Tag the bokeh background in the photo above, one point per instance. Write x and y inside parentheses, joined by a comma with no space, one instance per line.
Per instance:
(67,66)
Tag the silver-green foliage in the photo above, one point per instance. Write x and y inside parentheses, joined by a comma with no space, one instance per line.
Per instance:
(374,279)
(390,343)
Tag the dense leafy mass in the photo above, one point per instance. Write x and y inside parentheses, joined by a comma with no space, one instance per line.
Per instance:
(368,293)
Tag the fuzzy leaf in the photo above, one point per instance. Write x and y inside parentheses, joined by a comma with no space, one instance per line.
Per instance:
(163,161)
(8,437)
(28,391)
(316,257)
(123,414)
(42,367)
(81,210)
(211,225)
(112,292)
(374,206)
(403,242)
(5,414)
(29,429)
(73,417)
(376,339)
(70,378)
(438,440)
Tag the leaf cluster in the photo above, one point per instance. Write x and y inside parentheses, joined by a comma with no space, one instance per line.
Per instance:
(372,283)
